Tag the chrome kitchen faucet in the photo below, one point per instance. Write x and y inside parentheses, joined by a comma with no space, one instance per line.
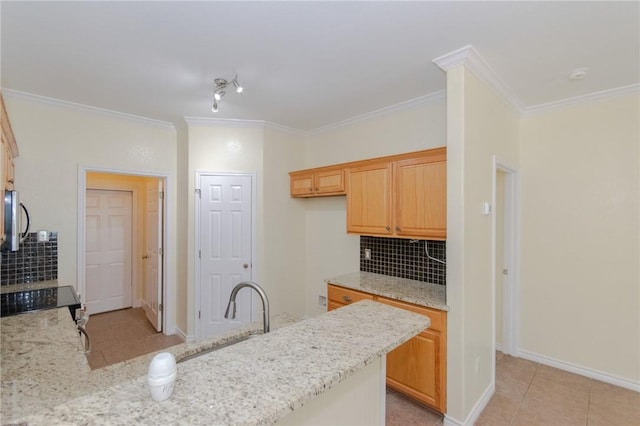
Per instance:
(231,306)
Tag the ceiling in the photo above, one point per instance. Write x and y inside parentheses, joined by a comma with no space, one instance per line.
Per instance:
(303,64)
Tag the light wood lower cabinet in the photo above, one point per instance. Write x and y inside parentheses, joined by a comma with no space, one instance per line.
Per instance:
(417,368)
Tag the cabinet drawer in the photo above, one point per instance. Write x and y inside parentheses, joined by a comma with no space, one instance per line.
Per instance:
(346,296)
(436,316)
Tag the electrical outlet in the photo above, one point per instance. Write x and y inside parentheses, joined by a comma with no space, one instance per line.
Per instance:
(477,364)
(367,254)
(322,300)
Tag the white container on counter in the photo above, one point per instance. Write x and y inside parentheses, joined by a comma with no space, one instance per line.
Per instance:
(162,376)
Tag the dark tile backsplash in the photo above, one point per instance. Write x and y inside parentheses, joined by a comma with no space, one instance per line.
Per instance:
(404,258)
(33,262)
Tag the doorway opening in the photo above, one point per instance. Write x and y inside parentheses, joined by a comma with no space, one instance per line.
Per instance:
(121,235)
(505,267)
(225,247)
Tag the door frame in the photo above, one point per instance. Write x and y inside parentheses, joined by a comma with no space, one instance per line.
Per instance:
(168,293)
(511,283)
(197,226)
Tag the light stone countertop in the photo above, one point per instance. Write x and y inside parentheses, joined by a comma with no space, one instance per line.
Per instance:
(12,288)
(42,361)
(411,291)
(258,381)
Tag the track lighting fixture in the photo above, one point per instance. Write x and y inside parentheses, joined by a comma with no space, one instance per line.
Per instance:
(221,85)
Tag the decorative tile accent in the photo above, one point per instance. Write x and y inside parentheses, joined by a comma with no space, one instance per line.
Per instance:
(33,262)
(404,258)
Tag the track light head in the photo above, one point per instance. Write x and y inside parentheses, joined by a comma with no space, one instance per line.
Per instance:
(219,90)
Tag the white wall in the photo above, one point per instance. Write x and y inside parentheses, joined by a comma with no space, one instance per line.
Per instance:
(479,126)
(271,154)
(220,149)
(580,280)
(54,140)
(329,250)
(284,239)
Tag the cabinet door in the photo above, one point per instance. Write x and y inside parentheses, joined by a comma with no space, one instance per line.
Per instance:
(10,171)
(369,199)
(345,296)
(329,182)
(3,153)
(413,369)
(301,184)
(421,198)
(333,305)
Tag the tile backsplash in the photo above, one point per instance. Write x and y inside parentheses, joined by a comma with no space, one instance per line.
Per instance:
(404,258)
(33,262)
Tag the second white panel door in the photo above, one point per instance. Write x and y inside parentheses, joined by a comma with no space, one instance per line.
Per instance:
(108,250)
(225,238)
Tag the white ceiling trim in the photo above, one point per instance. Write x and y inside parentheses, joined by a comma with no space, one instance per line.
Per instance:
(16,94)
(470,57)
(411,103)
(232,122)
(632,89)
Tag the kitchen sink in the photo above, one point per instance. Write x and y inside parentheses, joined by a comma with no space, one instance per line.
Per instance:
(215,348)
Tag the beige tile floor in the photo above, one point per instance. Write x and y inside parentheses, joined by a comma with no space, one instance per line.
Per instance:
(532,394)
(121,335)
(527,393)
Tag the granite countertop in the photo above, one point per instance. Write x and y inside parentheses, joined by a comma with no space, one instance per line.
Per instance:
(12,288)
(411,291)
(257,381)
(42,361)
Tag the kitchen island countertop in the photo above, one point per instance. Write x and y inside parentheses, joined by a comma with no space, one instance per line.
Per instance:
(258,381)
(411,291)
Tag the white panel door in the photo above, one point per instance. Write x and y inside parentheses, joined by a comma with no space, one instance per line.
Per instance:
(225,252)
(108,250)
(152,294)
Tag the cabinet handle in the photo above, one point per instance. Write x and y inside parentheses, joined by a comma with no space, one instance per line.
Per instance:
(388,228)
(346,298)
(10,181)
(146,256)
(397,228)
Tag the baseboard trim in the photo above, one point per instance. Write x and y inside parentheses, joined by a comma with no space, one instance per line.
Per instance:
(478,408)
(183,336)
(578,369)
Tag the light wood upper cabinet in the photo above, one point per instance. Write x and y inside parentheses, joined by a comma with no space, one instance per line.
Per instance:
(405,198)
(401,196)
(8,151)
(369,199)
(318,182)
(421,197)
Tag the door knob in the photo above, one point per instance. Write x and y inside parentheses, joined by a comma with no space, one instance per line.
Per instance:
(245,266)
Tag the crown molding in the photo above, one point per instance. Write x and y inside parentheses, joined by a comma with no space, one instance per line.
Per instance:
(632,89)
(16,94)
(233,122)
(469,57)
(411,103)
